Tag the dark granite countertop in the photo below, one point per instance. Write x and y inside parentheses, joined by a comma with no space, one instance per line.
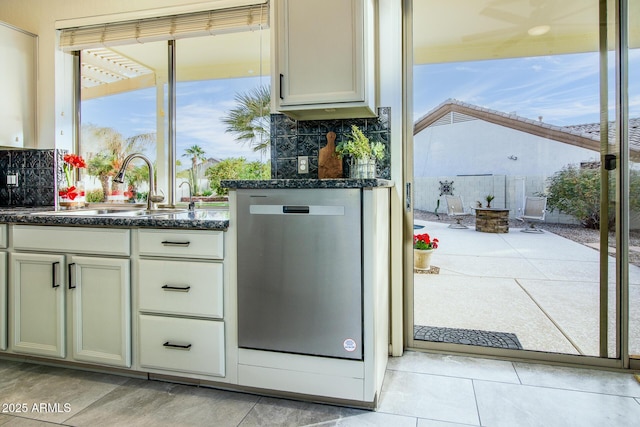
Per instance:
(200,219)
(306,183)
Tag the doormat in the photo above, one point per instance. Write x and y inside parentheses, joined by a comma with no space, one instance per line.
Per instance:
(467,337)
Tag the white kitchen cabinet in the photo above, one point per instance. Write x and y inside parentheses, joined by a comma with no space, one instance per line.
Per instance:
(182,345)
(3,301)
(18,74)
(3,288)
(100,310)
(62,302)
(324,61)
(180,285)
(3,235)
(184,288)
(38,304)
(181,243)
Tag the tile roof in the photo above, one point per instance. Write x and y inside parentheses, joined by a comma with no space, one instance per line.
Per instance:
(593,130)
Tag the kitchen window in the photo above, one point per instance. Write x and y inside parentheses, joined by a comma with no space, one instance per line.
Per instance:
(162,86)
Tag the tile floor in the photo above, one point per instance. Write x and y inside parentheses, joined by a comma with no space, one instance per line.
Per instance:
(420,390)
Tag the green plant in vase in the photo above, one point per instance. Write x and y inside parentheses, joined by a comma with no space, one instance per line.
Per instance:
(363,154)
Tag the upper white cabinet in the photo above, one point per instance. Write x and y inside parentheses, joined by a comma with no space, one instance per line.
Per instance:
(324,64)
(18,50)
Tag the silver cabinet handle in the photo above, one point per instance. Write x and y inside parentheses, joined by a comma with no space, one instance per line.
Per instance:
(168,344)
(174,288)
(169,243)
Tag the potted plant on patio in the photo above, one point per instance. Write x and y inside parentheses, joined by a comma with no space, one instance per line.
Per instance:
(423,247)
(363,154)
(489,199)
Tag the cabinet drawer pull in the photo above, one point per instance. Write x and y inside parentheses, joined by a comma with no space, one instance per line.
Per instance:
(69,270)
(176,288)
(54,275)
(169,243)
(186,347)
(281,83)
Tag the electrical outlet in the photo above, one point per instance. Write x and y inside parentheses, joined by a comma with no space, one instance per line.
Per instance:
(12,179)
(303,164)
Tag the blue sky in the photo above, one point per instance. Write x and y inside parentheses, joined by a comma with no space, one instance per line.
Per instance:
(200,106)
(564,90)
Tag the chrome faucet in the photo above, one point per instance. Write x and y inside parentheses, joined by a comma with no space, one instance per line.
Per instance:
(152,197)
(192,205)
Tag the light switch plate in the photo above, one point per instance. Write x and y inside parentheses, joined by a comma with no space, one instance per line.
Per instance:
(303,164)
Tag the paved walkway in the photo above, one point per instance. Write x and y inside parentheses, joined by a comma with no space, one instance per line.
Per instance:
(542,287)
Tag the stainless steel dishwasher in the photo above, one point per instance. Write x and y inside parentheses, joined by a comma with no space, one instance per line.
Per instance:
(300,271)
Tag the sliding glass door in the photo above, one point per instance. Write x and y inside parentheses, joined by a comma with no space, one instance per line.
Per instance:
(516,167)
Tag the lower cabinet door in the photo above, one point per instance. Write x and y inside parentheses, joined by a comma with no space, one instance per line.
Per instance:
(38,304)
(182,345)
(3,301)
(100,310)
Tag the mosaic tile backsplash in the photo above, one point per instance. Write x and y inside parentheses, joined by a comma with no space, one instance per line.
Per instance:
(36,177)
(291,138)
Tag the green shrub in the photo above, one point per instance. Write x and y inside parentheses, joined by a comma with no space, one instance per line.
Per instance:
(94,196)
(576,191)
(235,168)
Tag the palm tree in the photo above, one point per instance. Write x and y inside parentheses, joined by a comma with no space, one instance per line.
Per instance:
(112,148)
(101,166)
(251,119)
(195,152)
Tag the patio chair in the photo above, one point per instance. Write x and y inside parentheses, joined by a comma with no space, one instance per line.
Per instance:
(455,208)
(534,211)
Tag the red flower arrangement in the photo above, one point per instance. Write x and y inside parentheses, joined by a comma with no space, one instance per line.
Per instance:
(424,242)
(71,161)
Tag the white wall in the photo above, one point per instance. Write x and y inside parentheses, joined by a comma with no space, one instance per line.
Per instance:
(509,192)
(477,147)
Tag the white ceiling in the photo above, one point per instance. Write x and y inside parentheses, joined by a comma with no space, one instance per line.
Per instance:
(466,30)
(444,31)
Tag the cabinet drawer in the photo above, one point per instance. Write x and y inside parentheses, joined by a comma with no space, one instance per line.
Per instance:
(183,345)
(3,235)
(102,241)
(179,243)
(181,287)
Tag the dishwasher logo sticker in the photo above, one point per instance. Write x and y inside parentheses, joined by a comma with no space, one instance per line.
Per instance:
(349,345)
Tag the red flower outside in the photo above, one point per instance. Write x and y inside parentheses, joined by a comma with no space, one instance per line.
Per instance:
(424,242)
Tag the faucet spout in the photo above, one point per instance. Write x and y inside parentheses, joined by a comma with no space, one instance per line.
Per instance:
(151,197)
(192,205)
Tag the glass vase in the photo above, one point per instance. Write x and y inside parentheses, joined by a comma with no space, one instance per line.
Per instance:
(363,169)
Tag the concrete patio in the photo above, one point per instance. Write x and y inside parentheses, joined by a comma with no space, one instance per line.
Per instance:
(541,287)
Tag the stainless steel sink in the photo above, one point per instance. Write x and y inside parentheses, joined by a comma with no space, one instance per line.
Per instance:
(111,212)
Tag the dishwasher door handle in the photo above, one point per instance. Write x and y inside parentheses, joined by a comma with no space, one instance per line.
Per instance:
(295,209)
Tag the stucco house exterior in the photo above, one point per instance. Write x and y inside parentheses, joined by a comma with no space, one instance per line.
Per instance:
(484,151)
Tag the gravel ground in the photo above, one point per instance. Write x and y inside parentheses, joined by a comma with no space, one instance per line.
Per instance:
(576,233)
